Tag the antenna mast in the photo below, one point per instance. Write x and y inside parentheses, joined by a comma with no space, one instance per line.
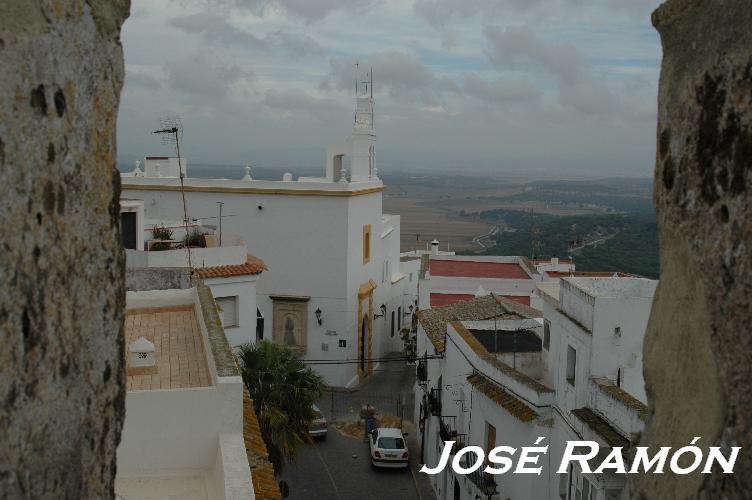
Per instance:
(172,130)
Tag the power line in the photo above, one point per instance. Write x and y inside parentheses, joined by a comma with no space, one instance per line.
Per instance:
(366,360)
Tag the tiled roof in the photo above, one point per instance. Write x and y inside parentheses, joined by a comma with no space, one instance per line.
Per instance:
(262,472)
(442,299)
(434,320)
(507,401)
(520,299)
(180,360)
(507,370)
(624,397)
(252,265)
(601,427)
(477,269)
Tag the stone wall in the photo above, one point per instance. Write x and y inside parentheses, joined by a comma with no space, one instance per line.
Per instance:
(156,278)
(699,343)
(61,264)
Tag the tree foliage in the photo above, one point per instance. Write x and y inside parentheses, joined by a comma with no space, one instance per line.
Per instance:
(283,390)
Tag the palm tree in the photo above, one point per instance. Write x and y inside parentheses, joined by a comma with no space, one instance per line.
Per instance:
(283,390)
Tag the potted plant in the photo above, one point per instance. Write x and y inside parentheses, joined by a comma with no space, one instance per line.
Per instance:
(163,235)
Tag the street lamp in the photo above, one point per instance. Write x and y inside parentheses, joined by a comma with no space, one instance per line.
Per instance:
(318,315)
(383,312)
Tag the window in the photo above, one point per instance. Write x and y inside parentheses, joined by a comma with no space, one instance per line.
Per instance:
(228,308)
(366,244)
(571,364)
(259,325)
(490,438)
(391,443)
(392,323)
(399,317)
(617,331)
(546,334)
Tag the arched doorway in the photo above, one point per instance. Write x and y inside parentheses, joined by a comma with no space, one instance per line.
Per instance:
(364,344)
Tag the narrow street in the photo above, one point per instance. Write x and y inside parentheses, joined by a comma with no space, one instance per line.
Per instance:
(340,466)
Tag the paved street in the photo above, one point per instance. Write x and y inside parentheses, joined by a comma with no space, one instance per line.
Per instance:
(340,467)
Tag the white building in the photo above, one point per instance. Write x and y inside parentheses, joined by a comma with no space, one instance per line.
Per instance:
(335,287)
(577,376)
(186,427)
(224,264)
(452,278)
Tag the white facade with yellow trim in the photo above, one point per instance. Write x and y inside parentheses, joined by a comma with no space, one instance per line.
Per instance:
(324,240)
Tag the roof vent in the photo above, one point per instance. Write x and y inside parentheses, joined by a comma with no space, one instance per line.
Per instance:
(141,353)
(287,177)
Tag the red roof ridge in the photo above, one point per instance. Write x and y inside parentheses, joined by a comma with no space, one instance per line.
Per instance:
(252,265)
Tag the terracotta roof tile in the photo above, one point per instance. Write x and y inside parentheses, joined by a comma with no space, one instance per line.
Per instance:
(497,394)
(434,320)
(265,485)
(600,426)
(623,397)
(253,265)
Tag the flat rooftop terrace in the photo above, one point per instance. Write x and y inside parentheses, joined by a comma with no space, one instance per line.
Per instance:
(178,348)
(477,269)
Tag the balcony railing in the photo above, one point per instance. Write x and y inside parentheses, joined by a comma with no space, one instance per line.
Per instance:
(448,432)
(484,481)
(434,402)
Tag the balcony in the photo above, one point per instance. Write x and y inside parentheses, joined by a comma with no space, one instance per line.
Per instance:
(448,432)
(434,402)
(484,481)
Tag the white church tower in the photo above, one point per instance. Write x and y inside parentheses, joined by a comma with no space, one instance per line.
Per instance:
(363,136)
(361,148)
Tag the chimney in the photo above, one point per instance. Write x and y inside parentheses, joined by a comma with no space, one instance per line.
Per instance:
(435,247)
(554,261)
(141,354)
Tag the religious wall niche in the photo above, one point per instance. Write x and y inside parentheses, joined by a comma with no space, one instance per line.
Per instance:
(290,326)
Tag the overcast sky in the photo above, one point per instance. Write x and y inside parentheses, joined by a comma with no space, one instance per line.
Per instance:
(566,87)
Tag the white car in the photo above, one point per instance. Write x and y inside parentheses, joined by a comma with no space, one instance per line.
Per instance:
(318,427)
(388,448)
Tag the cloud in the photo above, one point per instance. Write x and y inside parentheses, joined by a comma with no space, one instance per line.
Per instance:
(217,30)
(516,91)
(138,78)
(308,11)
(520,47)
(204,75)
(293,103)
(402,75)
(439,13)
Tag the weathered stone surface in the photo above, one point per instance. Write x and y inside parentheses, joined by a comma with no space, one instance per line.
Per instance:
(699,345)
(62,381)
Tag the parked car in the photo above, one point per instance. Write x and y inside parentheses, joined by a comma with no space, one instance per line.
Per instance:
(388,448)
(318,427)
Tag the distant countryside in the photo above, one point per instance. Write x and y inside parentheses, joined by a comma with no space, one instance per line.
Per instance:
(604,225)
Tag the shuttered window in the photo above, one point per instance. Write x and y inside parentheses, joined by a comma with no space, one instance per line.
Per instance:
(228,307)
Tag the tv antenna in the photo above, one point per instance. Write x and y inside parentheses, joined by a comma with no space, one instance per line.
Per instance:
(171,132)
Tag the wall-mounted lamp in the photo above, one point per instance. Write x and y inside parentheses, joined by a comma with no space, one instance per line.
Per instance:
(383,312)
(408,312)
(318,315)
